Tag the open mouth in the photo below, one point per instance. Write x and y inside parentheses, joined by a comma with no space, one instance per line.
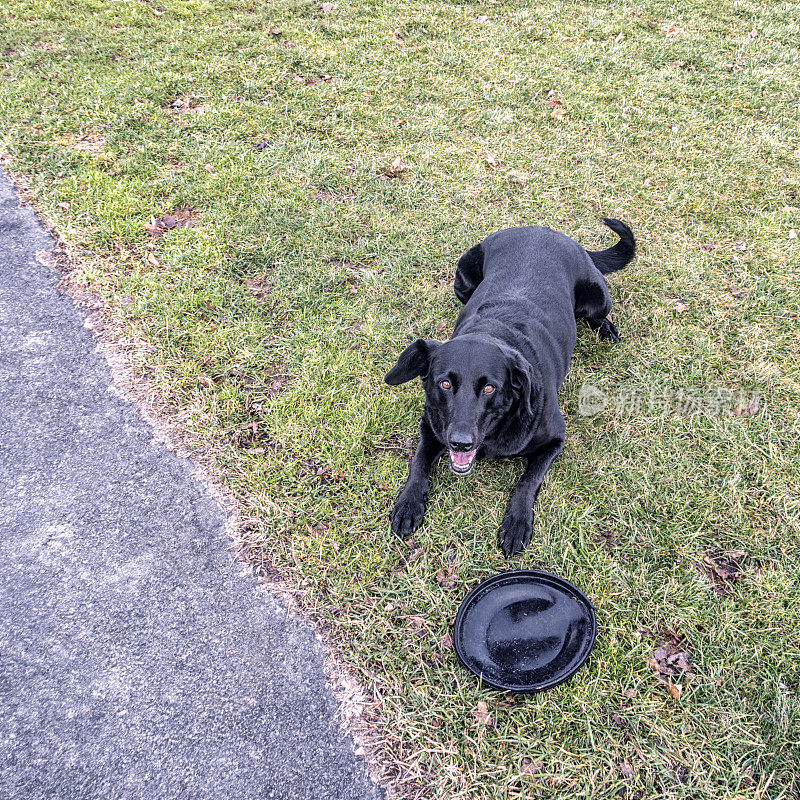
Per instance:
(462,463)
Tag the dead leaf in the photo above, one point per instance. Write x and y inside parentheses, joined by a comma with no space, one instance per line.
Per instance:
(407,558)
(446,641)
(397,36)
(188,105)
(319,530)
(626,769)
(433,659)
(736,292)
(630,693)
(557,113)
(325,196)
(482,19)
(741,247)
(723,569)
(681,774)
(675,638)
(748,410)
(531,767)
(183,217)
(670,661)
(481,714)
(493,161)
(709,246)
(152,260)
(446,577)
(734,67)
(397,168)
(91,143)
(260,287)
(275,31)
(671,31)
(679,660)
(680,307)
(326,8)
(153,228)
(318,80)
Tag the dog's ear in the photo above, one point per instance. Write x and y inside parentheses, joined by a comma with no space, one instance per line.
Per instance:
(522,381)
(413,362)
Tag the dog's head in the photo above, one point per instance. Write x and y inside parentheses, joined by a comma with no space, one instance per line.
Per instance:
(471,384)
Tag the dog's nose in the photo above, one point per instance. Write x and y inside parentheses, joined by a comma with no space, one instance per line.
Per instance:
(461,441)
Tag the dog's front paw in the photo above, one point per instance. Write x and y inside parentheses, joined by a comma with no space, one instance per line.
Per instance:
(608,332)
(407,514)
(515,532)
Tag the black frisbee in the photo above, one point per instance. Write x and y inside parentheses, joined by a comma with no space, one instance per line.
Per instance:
(524,631)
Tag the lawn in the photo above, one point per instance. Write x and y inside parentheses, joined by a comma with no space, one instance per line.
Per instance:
(269,199)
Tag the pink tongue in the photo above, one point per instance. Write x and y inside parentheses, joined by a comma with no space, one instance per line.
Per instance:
(462,459)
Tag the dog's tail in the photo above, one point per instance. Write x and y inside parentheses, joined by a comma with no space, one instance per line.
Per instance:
(620,254)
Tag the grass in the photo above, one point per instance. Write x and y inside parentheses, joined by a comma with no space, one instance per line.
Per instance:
(266,327)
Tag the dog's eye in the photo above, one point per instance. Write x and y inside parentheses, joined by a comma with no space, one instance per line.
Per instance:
(445,384)
(488,389)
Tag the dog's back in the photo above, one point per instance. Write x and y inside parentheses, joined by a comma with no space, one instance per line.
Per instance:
(527,285)
(525,293)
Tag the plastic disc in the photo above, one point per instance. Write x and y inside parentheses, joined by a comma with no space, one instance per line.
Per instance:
(524,631)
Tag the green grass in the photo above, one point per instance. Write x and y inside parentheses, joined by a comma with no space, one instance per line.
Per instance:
(691,138)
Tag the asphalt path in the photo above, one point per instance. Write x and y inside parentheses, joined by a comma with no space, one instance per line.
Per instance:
(137,659)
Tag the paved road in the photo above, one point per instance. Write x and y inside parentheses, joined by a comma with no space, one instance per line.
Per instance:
(136,660)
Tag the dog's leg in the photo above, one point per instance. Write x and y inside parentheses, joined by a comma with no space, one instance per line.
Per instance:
(515,532)
(469,273)
(606,329)
(409,509)
(593,304)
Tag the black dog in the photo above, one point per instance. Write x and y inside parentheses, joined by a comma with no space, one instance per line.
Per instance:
(491,390)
